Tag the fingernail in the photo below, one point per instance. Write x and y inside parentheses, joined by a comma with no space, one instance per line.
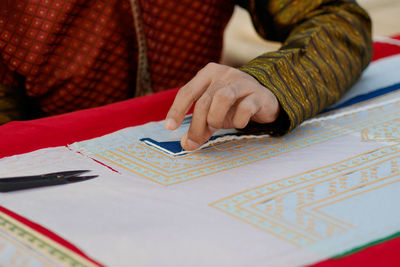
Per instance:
(170,124)
(188,144)
(191,145)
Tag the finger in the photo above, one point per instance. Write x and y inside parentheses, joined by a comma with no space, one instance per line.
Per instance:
(223,101)
(199,132)
(269,108)
(245,110)
(185,98)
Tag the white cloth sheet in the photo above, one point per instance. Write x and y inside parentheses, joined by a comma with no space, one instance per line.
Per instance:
(328,187)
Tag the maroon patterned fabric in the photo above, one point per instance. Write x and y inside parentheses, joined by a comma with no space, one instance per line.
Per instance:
(182,37)
(74,54)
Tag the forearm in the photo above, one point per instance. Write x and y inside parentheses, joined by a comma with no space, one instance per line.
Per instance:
(324,53)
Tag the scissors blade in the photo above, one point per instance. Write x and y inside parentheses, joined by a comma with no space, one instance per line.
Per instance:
(49,179)
(80,178)
(64,174)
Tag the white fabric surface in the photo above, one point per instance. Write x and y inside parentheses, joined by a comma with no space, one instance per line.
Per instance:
(343,169)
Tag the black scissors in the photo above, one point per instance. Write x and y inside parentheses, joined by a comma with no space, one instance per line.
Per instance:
(26,182)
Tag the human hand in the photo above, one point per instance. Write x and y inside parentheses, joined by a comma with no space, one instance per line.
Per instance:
(226,98)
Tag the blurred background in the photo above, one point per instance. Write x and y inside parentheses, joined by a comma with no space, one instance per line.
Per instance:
(242,42)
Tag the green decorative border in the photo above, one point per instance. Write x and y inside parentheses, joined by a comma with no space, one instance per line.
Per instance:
(29,238)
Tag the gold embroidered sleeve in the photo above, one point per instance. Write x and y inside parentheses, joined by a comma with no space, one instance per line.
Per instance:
(326,45)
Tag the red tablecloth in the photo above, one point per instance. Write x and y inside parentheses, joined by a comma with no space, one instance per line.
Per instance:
(26,136)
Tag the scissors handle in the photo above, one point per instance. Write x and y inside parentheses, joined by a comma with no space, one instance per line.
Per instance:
(7,186)
(49,179)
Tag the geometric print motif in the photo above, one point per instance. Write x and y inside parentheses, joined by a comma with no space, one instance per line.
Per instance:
(294,208)
(164,169)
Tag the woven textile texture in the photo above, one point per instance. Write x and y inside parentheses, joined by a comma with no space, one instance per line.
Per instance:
(183,36)
(74,54)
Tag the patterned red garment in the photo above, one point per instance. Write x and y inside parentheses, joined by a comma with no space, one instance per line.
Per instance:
(74,54)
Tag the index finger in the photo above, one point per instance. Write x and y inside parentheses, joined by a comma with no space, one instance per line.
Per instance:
(185,98)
